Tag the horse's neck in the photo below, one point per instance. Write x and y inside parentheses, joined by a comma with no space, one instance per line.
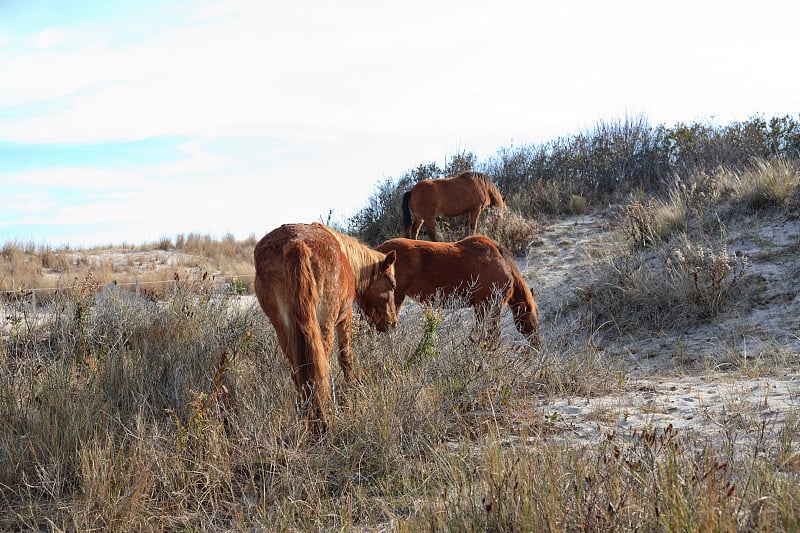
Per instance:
(363,260)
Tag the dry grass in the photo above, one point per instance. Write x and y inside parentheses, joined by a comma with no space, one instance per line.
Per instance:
(153,265)
(670,287)
(510,229)
(679,270)
(699,203)
(655,221)
(767,183)
(118,412)
(122,414)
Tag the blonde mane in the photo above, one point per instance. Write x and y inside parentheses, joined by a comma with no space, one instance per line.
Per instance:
(365,262)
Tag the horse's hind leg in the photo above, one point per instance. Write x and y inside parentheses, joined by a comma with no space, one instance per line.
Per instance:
(430,225)
(415,227)
(346,359)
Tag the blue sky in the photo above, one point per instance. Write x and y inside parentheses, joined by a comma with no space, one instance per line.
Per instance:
(124,122)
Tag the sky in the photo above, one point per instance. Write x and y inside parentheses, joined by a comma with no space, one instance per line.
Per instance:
(128,122)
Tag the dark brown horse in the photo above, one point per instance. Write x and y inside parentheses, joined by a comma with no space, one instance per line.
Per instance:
(476,269)
(468,193)
(307,277)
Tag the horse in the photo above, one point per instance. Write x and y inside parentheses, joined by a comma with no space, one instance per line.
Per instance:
(466,193)
(475,270)
(307,277)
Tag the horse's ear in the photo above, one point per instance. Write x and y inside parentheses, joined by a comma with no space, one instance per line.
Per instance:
(391,256)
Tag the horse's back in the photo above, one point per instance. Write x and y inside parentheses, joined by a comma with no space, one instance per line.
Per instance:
(473,266)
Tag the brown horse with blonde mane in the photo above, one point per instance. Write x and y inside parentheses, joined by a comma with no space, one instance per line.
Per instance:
(476,269)
(467,193)
(307,277)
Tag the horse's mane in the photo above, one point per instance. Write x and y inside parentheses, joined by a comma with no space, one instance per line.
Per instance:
(491,189)
(365,262)
(520,288)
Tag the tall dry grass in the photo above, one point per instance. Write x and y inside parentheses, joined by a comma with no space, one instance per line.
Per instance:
(121,412)
(678,269)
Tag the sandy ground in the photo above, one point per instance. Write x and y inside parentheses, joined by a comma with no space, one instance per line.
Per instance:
(732,378)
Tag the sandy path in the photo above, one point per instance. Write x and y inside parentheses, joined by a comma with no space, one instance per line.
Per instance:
(658,389)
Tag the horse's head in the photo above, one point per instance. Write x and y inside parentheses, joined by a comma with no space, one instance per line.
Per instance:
(495,196)
(377,301)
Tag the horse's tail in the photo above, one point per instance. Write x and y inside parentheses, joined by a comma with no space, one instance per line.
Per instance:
(307,356)
(525,310)
(408,219)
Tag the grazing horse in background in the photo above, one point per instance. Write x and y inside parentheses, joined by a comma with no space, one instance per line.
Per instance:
(467,193)
(477,269)
(307,277)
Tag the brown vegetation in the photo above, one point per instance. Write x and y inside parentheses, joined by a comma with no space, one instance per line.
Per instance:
(153,266)
(118,412)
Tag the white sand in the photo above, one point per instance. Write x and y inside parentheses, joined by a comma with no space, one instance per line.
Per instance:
(729,379)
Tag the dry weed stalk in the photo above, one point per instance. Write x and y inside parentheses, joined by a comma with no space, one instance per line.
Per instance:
(713,273)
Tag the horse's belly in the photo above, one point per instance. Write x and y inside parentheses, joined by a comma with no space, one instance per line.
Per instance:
(466,293)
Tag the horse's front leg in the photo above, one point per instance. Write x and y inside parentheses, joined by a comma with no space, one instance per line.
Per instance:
(471,226)
(430,225)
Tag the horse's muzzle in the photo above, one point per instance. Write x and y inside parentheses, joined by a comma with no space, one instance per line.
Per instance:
(386,326)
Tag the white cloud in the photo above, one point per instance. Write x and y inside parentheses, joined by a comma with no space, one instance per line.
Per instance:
(79,178)
(373,89)
(48,38)
(421,69)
